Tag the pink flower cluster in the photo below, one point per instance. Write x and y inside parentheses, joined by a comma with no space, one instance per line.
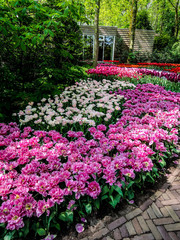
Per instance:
(112,70)
(39,169)
(171,76)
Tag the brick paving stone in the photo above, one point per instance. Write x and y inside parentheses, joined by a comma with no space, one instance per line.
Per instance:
(172,227)
(175,183)
(145,215)
(162,221)
(97,227)
(84,238)
(123,231)
(178,234)
(156,195)
(99,234)
(156,210)
(117,234)
(158,203)
(126,239)
(148,236)
(171,179)
(151,213)
(143,224)
(133,214)
(172,213)
(169,193)
(161,198)
(175,187)
(146,204)
(164,187)
(178,213)
(176,194)
(154,230)
(176,172)
(163,232)
(176,207)
(130,228)
(137,226)
(173,236)
(117,223)
(165,196)
(109,238)
(164,212)
(170,202)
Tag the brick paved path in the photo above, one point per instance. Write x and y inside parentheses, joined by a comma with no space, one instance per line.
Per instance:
(157,218)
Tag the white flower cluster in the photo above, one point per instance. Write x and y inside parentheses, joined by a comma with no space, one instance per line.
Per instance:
(84,102)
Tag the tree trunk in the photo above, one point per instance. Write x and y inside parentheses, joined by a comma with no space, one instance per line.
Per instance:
(96,34)
(176,30)
(132,27)
(176,24)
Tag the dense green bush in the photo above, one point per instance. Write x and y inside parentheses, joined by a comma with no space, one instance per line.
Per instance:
(166,49)
(39,42)
(142,20)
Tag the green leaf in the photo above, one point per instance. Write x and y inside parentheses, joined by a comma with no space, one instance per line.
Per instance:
(105,190)
(97,203)
(34,40)
(150,178)
(118,189)
(66,216)
(130,184)
(130,195)
(23,46)
(143,177)
(51,33)
(88,208)
(66,12)
(57,226)
(50,218)
(41,231)
(111,190)
(154,169)
(115,200)
(162,163)
(104,197)
(26,228)
(7,237)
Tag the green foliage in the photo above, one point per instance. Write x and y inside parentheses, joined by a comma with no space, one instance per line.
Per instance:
(66,216)
(142,20)
(162,41)
(39,42)
(166,49)
(122,50)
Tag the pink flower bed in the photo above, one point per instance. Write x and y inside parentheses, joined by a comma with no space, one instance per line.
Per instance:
(111,70)
(42,169)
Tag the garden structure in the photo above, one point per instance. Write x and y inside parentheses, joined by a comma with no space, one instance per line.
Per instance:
(114,42)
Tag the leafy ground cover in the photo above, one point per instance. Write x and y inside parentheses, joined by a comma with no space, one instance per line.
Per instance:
(51,177)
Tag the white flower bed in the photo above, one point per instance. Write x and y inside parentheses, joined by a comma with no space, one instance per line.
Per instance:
(83,102)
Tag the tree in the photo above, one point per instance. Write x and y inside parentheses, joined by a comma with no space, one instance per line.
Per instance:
(132,26)
(175,5)
(96,33)
(39,42)
(142,20)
